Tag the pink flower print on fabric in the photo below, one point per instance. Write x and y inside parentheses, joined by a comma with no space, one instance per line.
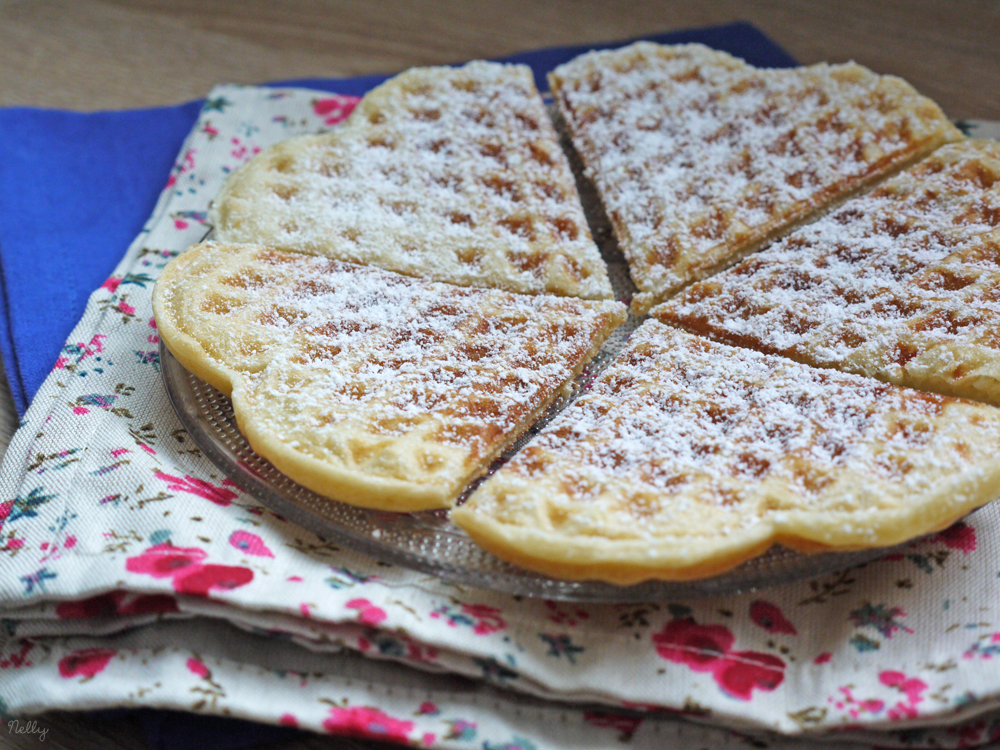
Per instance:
(166,561)
(707,648)
(198,668)
(461,729)
(243,151)
(625,724)
(183,219)
(566,614)
(428,708)
(885,619)
(482,618)
(184,164)
(249,543)
(698,646)
(74,354)
(771,618)
(487,619)
(55,550)
(912,688)
(85,663)
(365,721)
(219,495)
(985,647)
(960,537)
(13,544)
(368,613)
(19,659)
(185,569)
(855,707)
(741,672)
(213,577)
(334,109)
(397,645)
(117,603)
(976,734)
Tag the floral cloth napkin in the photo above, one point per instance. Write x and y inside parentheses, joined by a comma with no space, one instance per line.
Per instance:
(134,573)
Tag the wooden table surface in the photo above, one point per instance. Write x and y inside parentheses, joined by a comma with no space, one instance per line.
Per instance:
(118,54)
(100,54)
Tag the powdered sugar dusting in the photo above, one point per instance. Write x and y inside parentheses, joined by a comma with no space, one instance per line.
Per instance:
(363,368)
(902,284)
(697,155)
(683,438)
(449,174)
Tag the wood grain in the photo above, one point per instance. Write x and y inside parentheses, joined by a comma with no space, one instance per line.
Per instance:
(109,54)
(119,54)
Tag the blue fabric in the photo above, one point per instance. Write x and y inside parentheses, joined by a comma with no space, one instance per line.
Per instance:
(173,730)
(75,189)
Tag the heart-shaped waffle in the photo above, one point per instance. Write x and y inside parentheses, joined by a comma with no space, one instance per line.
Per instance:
(453,174)
(688,457)
(366,386)
(901,284)
(701,158)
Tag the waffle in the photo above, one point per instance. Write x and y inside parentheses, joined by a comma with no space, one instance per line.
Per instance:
(366,386)
(688,457)
(450,174)
(700,158)
(902,284)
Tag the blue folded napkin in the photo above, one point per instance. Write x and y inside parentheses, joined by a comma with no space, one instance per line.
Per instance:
(76,189)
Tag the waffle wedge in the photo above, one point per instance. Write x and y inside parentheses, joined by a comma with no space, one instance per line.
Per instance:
(901,284)
(366,386)
(700,158)
(688,457)
(450,174)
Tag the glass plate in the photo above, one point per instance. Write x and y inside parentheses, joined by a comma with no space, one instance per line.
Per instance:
(428,541)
